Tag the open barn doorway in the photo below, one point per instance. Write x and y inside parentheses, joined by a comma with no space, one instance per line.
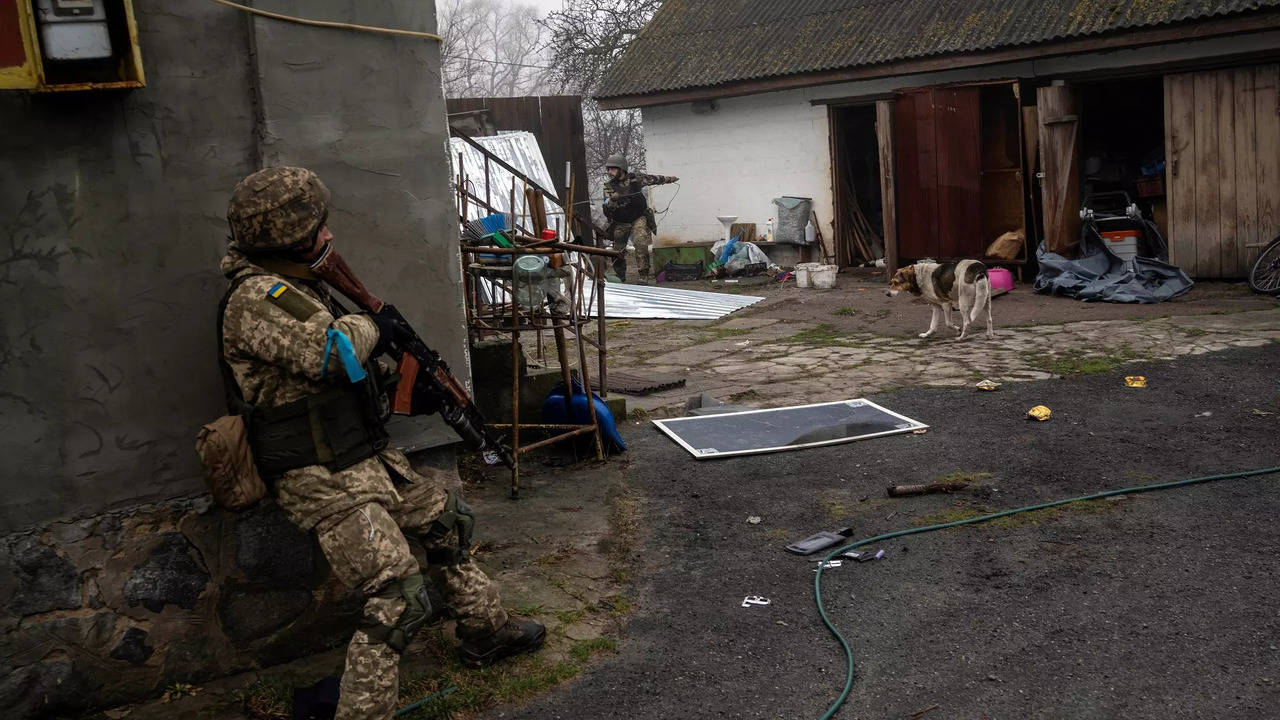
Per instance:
(855,163)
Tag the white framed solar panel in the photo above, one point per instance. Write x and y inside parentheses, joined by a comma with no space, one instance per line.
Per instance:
(752,432)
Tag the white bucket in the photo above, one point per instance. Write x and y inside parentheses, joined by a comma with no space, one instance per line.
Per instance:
(804,273)
(823,277)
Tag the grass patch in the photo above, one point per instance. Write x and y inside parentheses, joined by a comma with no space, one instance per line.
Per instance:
(528,610)
(822,334)
(1033,517)
(964,477)
(638,414)
(624,521)
(1079,362)
(833,506)
(844,311)
(569,617)
(267,699)
(615,604)
(584,649)
(562,552)
(716,333)
(746,395)
(1036,517)
(513,680)
(1194,331)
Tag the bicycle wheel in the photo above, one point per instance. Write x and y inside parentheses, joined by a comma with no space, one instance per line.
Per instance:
(1265,275)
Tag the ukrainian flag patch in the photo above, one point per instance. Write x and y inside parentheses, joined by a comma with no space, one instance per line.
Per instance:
(296,303)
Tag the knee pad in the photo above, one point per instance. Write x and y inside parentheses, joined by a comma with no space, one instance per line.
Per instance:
(417,612)
(457,515)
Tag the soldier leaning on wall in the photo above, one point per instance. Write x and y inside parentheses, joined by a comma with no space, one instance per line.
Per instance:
(629,214)
(361,498)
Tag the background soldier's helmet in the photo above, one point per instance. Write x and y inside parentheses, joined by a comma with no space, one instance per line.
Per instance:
(277,208)
(616,161)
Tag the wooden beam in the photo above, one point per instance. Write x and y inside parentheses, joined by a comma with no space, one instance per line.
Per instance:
(888,184)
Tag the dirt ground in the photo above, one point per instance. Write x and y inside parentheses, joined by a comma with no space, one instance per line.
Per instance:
(1157,605)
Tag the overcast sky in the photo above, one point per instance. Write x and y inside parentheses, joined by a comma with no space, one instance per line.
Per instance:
(545,6)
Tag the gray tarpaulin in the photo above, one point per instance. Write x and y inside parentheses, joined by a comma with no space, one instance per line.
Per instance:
(1101,275)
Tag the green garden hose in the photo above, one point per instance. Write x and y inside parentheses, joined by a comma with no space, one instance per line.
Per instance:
(415,705)
(817,580)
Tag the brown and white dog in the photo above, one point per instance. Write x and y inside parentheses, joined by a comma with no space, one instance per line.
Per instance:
(964,284)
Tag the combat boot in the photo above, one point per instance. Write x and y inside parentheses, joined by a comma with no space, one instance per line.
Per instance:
(511,639)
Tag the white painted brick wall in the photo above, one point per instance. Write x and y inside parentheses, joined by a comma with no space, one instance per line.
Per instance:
(736,159)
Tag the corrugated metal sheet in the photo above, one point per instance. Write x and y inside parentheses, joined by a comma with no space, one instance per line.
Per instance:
(659,303)
(555,120)
(703,43)
(518,149)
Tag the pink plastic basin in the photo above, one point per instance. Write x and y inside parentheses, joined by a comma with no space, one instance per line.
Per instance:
(1001,279)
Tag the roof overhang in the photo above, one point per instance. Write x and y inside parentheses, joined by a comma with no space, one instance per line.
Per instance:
(1259,22)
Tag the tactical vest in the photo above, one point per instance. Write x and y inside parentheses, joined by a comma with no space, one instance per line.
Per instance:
(629,203)
(336,428)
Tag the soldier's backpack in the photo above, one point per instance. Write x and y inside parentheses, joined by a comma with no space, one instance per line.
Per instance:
(230,472)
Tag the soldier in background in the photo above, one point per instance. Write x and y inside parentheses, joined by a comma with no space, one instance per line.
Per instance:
(629,215)
(358,494)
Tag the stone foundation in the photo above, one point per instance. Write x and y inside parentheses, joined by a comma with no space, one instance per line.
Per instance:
(115,608)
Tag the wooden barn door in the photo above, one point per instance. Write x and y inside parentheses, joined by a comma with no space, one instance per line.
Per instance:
(1060,163)
(917,174)
(1222,152)
(936,146)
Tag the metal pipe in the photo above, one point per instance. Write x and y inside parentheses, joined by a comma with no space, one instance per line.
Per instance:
(582,430)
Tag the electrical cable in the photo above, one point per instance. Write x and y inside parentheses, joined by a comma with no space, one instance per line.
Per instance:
(327,23)
(848,651)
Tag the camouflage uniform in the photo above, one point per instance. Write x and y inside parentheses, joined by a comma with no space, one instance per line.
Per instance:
(628,186)
(360,514)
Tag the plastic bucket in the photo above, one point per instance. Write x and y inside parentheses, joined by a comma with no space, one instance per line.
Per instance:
(1001,279)
(1123,243)
(823,277)
(803,276)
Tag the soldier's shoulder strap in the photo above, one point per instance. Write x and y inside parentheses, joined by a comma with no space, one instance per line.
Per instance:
(236,404)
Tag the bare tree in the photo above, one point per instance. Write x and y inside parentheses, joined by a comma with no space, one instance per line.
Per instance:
(492,48)
(585,39)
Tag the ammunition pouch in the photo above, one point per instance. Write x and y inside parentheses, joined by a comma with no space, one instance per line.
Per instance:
(417,612)
(457,515)
(336,428)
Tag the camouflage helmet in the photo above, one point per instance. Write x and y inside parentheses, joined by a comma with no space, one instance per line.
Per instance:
(276,208)
(617,161)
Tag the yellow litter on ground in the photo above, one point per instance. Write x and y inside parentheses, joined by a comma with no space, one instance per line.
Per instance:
(1039,412)
(1135,381)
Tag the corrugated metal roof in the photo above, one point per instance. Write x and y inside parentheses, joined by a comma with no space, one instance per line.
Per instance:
(704,43)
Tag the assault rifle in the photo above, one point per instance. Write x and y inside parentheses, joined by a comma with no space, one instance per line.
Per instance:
(426,383)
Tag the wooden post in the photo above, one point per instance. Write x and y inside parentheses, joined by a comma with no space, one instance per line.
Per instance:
(888,186)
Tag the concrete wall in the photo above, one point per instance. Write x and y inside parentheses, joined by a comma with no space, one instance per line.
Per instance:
(115,578)
(112,223)
(735,159)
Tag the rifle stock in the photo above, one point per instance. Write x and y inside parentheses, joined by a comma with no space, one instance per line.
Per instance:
(426,382)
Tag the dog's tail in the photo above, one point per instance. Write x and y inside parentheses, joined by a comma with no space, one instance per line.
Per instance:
(982,298)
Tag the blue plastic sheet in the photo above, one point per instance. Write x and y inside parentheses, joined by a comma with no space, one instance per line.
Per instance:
(1101,275)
